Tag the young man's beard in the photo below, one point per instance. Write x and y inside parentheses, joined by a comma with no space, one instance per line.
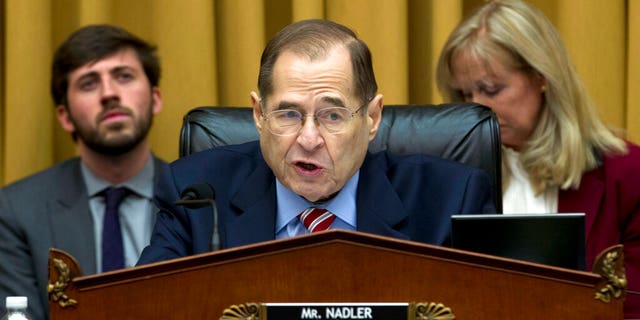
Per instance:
(93,139)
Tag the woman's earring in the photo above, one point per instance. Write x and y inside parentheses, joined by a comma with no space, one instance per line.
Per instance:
(543,88)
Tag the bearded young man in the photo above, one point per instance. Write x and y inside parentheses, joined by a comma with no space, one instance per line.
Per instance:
(105,87)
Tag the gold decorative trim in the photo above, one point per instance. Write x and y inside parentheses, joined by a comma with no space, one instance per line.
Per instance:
(610,265)
(56,290)
(430,311)
(246,311)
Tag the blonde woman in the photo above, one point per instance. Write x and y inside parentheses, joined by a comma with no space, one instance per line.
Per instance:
(558,155)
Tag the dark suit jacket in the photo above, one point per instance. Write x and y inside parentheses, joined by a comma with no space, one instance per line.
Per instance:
(408,197)
(49,209)
(610,198)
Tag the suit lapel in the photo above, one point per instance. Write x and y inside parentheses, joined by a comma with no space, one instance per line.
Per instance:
(256,210)
(158,166)
(379,209)
(70,218)
(587,198)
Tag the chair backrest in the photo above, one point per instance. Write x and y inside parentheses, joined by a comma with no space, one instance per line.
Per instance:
(463,132)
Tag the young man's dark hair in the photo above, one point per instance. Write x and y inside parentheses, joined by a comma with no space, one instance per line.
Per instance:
(93,43)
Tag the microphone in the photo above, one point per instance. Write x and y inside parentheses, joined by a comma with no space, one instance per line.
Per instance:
(196,196)
(200,195)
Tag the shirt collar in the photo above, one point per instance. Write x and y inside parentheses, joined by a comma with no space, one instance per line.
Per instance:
(343,205)
(141,183)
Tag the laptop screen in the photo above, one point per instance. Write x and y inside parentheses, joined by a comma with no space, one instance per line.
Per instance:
(552,239)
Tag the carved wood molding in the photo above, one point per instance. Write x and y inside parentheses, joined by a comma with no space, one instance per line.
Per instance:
(62,268)
(610,265)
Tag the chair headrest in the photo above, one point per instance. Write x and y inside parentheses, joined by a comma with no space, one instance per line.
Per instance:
(463,132)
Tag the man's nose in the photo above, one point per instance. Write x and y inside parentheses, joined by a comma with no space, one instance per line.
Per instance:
(309,135)
(109,91)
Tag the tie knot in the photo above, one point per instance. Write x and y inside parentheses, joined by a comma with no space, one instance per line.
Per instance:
(316,219)
(113,196)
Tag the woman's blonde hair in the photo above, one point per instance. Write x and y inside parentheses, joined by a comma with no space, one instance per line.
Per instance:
(570,138)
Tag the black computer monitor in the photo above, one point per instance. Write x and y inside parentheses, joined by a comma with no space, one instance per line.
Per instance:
(556,239)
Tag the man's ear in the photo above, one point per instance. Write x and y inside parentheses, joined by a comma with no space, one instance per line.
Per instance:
(65,118)
(257,111)
(156,99)
(374,113)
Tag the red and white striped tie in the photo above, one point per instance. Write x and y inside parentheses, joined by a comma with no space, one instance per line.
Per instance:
(316,219)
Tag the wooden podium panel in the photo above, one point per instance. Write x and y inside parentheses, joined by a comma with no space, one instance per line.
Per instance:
(334,266)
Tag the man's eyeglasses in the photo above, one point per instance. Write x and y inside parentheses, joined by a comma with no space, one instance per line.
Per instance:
(289,122)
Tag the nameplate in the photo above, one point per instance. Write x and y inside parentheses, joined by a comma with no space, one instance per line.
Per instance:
(330,311)
(338,311)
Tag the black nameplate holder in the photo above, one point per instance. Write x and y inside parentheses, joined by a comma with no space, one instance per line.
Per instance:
(338,311)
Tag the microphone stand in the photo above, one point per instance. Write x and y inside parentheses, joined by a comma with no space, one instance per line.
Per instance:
(199,203)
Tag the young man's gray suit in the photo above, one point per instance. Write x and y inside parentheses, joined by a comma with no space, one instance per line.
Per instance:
(49,209)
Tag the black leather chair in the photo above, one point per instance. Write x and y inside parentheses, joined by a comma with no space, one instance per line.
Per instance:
(464,132)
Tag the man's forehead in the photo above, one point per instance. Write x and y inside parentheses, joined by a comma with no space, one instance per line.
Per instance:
(313,54)
(334,66)
(125,58)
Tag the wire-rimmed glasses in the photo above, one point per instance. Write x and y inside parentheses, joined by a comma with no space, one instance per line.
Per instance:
(288,122)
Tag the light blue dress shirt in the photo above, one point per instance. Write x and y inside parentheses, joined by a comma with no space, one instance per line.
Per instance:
(136,212)
(289,204)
